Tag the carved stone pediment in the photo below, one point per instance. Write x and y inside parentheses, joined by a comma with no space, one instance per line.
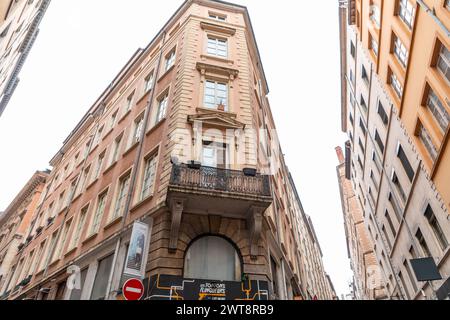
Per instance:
(210,68)
(218,28)
(216,118)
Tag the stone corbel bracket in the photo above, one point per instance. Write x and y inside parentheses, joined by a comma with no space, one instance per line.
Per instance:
(176,209)
(254,221)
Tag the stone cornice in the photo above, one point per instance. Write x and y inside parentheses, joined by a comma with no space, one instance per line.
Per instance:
(205,67)
(218,28)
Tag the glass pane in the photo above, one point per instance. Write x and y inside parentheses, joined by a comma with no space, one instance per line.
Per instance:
(101,279)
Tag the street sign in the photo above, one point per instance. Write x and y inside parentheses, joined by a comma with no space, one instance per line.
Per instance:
(133,289)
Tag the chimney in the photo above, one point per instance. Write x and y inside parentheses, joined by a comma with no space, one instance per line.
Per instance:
(340,155)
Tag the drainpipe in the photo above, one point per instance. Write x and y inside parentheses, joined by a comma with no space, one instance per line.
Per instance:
(134,173)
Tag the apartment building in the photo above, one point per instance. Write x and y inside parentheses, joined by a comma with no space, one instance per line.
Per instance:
(395,110)
(367,281)
(14,223)
(184,143)
(19,27)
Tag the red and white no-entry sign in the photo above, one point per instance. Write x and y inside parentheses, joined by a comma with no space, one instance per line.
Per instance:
(133,289)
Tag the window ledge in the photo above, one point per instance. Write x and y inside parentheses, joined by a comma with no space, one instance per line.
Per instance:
(71,251)
(124,116)
(62,210)
(220,59)
(54,263)
(90,237)
(107,134)
(113,222)
(142,202)
(166,73)
(93,149)
(131,148)
(91,184)
(156,126)
(76,197)
(111,166)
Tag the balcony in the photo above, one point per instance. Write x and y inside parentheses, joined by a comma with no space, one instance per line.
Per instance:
(214,191)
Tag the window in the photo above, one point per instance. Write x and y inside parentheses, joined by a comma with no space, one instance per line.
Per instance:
(399,187)
(362,126)
(364,74)
(217,47)
(351,119)
(360,163)
(101,278)
(162,108)
(101,202)
(138,127)
(112,120)
(79,228)
(76,292)
(373,45)
(98,168)
(129,103)
(212,258)
(363,104)
(382,113)
(49,249)
(410,275)
(218,17)
(61,202)
(405,163)
(390,223)
(425,137)
(375,15)
(361,145)
(149,177)
(379,141)
(62,241)
(383,229)
(406,12)
(438,110)
(116,149)
(214,155)
(148,83)
(170,60)
(405,288)
(395,84)
(71,192)
(443,63)
(437,230)
(400,51)
(98,136)
(352,49)
(396,208)
(83,180)
(124,185)
(216,93)
(274,270)
(423,244)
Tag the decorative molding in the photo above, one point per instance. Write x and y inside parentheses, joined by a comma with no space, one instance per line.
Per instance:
(218,28)
(254,220)
(206,67)
(176,208)
(216,118)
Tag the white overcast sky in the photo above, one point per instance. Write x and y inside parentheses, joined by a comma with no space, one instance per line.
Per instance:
(84,43)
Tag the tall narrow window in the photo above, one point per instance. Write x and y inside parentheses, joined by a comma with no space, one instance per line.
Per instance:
(352,49)
(214,155)
(436,107)
(116,149)
(124,185)
(216,94)
(364,74)
(129,103)
(79,228)
(98,136)
(405,163)
(379,141)
(373,44)
(391,225)
(375,15)
(112,120)
(217,47)
(362,126)
(62,241)
(149,176)
(170,60)
(443,63)
(162,108)
(425,137)
(83,180)
(101,279)
(437,230)
(382,113)
(399,187)
(363,103)
(98,167)
(402,279)
(406,12)
(395,84)
(148,83)
(101,202)
(400,51)
(410,275)
(138,127)
(423,244)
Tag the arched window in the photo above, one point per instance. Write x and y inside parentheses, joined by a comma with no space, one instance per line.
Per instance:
(212,258)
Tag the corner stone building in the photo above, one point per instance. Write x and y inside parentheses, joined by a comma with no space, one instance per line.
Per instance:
(184,141)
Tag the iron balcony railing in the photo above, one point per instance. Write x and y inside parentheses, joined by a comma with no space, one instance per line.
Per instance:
(216,179)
